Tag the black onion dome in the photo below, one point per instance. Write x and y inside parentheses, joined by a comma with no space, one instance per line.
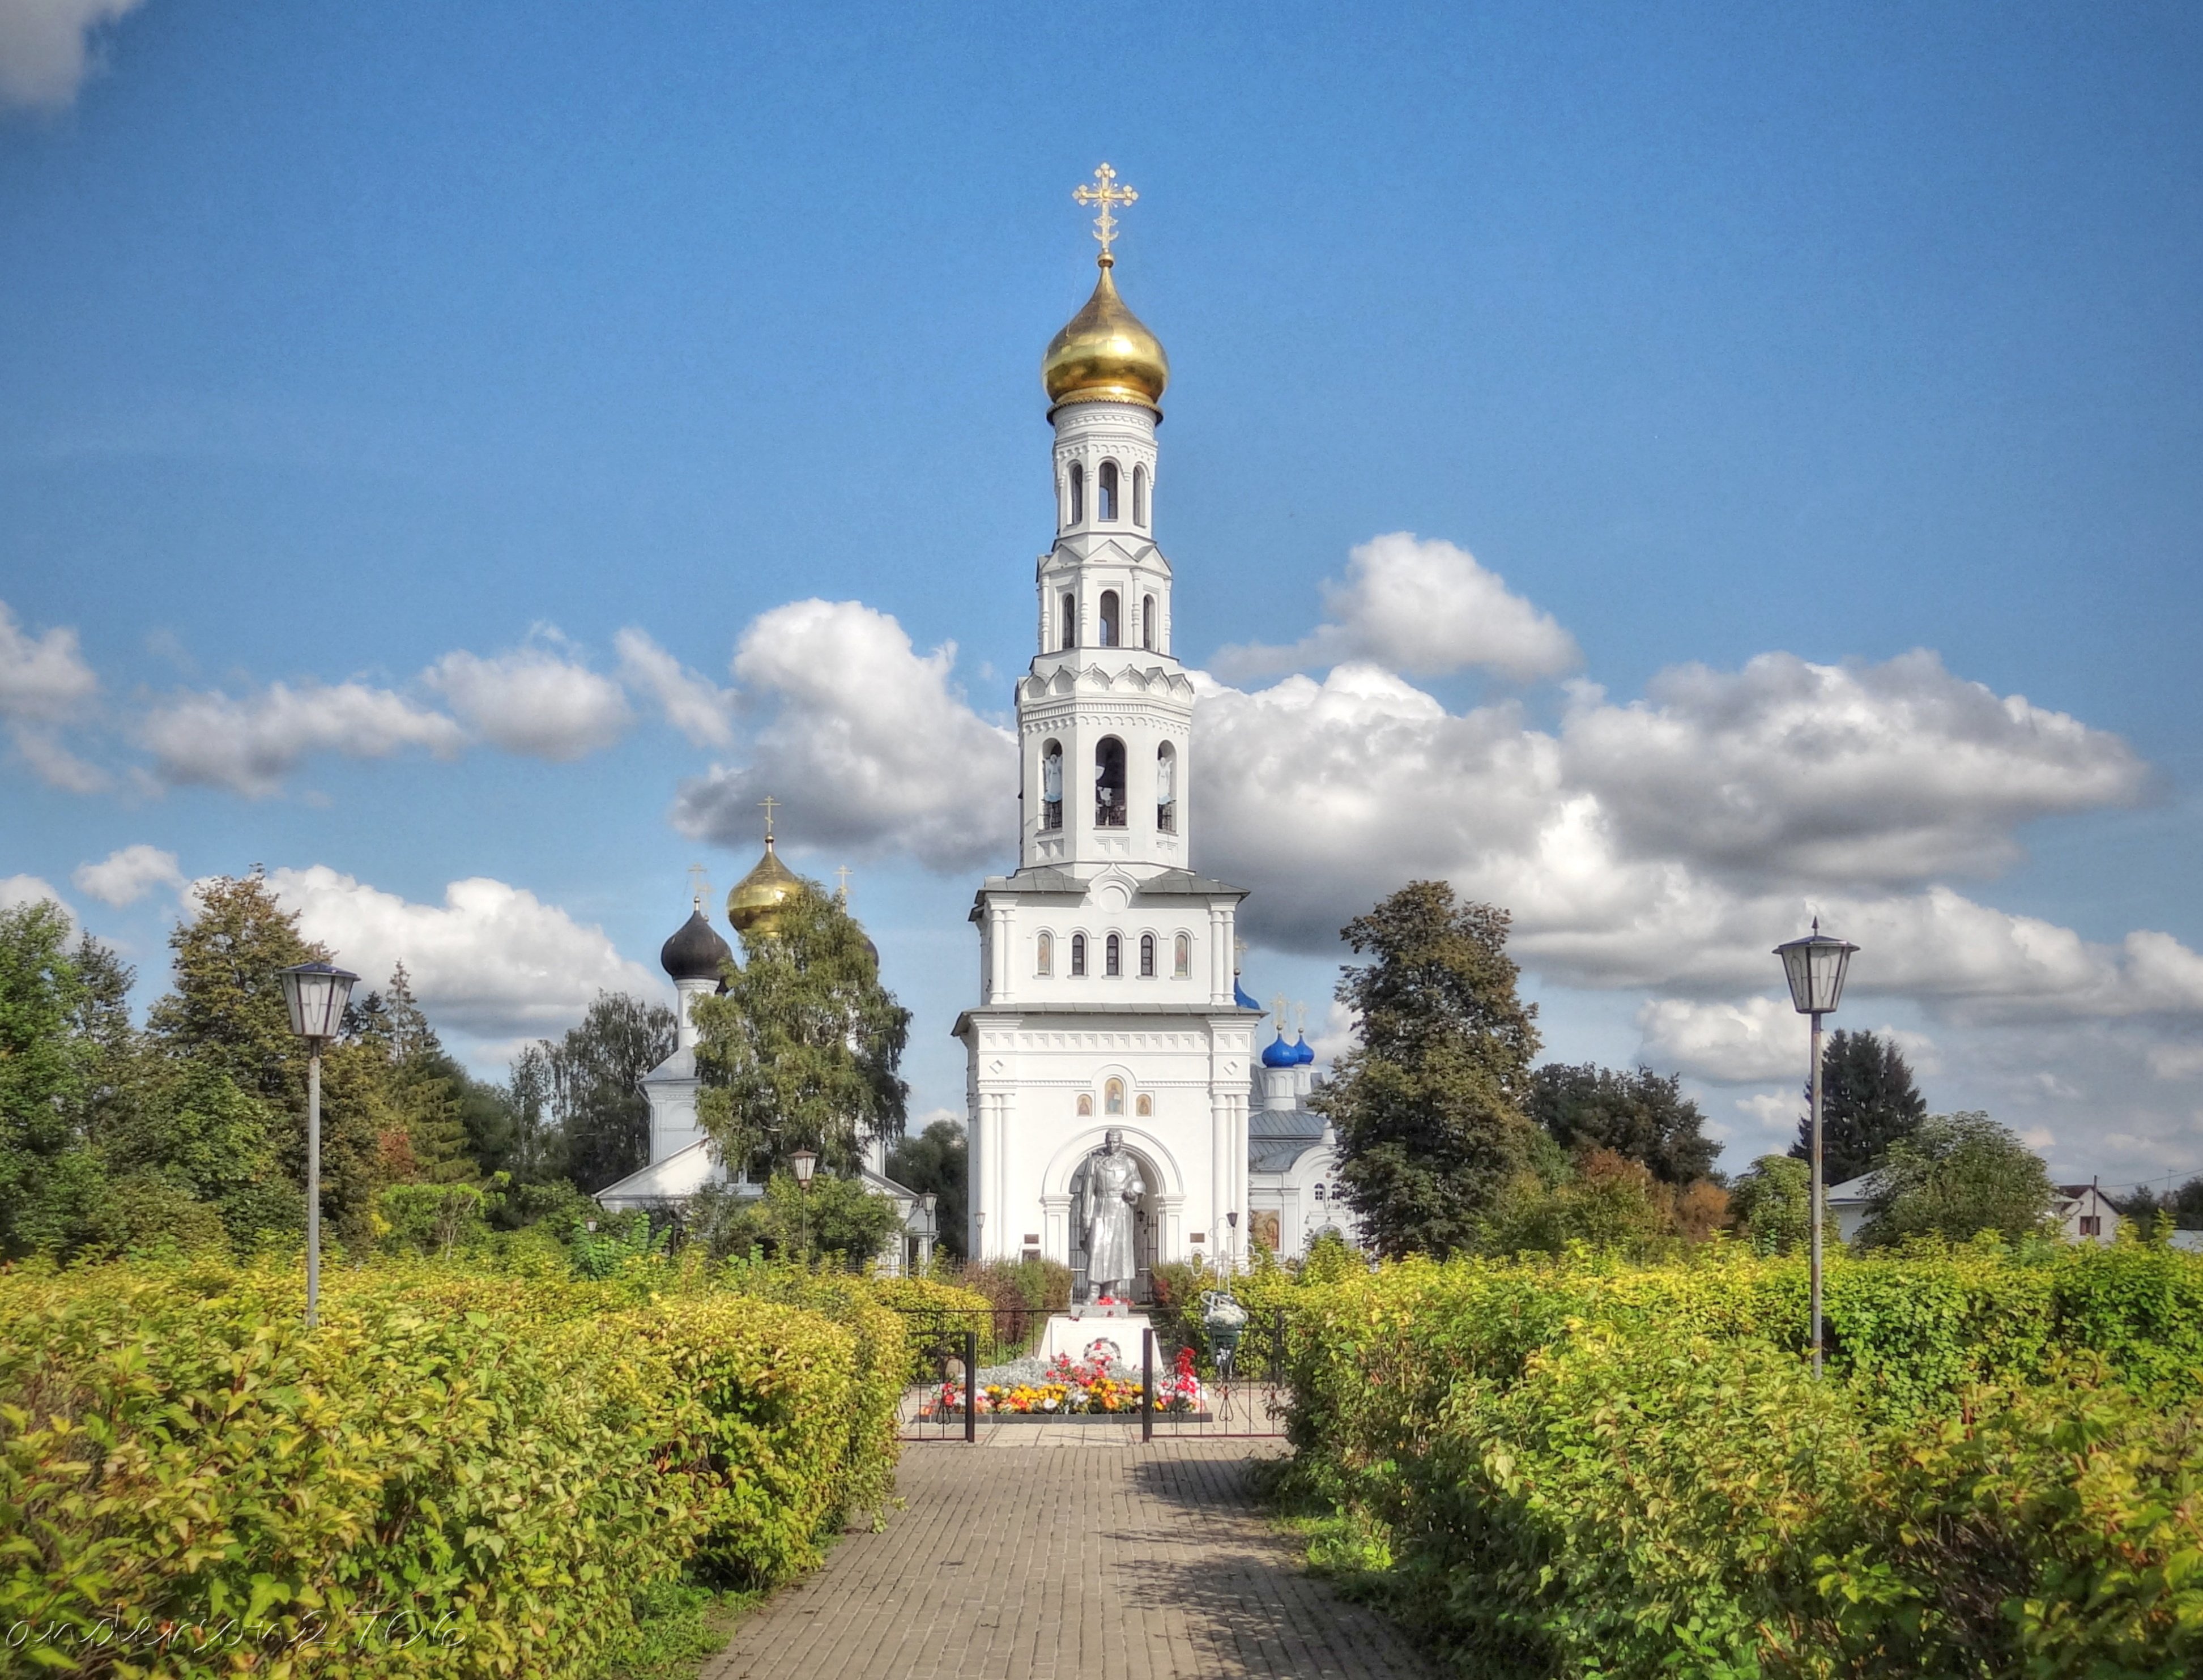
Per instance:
(695,952)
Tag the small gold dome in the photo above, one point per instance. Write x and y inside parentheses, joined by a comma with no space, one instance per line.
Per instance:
(753,906)
(1105,355)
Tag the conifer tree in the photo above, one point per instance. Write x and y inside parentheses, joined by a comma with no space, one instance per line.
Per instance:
(1868,1104)
(1429,1104)
(228,1013)
(426,1088)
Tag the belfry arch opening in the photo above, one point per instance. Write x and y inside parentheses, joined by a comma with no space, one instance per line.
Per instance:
(1105,487)
(1051,785)
(1148,622)
(1112,614)
(1140,497)
(1166,789)
(1109,807)
(1076,480)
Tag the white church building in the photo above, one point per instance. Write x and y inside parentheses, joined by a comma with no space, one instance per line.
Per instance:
(1108,996)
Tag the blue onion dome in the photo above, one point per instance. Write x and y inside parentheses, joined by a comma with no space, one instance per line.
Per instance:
(1280,1054)
(1239,995)
(695,952)
(1304,1054)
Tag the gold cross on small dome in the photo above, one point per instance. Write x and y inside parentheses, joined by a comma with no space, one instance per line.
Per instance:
(1108,195)
(768,804)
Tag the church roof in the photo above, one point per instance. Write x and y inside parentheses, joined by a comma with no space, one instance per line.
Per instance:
(1186,881)
(1278,1138)
(695,950)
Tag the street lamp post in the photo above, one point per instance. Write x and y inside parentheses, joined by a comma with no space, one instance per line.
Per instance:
(1814,968)
(929,1231)
(315,995)
(805,1162)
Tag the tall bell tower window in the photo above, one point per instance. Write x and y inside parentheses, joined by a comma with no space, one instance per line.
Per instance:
(1148,622)
(1077,494)
(1051,788)
(1109,808)
(1105,487)
(1166,789)
(1111,613)
(1070,616)
(1078,956)
(1140,497)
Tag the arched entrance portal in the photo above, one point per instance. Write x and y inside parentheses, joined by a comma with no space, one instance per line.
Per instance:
(1146,1222)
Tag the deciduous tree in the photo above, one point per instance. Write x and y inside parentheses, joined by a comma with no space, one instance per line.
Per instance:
(1639,1114)
(938,1160)
(1429,1104)
(1956,1176)
(802,1049)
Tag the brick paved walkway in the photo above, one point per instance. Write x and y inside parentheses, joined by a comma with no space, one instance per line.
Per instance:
(1049,1554)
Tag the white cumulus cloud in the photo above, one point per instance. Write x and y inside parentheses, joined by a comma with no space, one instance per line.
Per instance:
(1424,608)
(45,682)
(1793,771)
(47,47)
(17,890)
(869,745)
(492,960)
(124,876)
(249,745)
(532,701)
(698,707)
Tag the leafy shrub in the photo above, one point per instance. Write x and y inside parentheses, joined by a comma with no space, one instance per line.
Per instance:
(505,1465)
(1583,1468)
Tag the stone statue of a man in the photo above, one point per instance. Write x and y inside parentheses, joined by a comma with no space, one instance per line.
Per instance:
(1113,1191)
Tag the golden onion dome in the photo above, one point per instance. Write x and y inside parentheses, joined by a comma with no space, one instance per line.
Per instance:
(1105,354)
(753,906)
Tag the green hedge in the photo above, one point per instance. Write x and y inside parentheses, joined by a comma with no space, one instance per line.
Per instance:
(1586,1469)
(458,1473)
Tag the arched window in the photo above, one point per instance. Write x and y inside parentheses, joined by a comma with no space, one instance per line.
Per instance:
(1147,956)
(1110,610)
(1148,622)
(1105,490)
(1113,957)
(1319,1192)
(1051,786)
(1113,1097)
(1182,956)
(1140,497)
(1078,493)
(1070,620)
(1144,1106)
(1109,807)
(1166,789)
(1078,955)
(1044,953)
(1086,1105)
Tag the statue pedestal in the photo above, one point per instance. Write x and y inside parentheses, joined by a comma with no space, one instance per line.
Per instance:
(1071,1337)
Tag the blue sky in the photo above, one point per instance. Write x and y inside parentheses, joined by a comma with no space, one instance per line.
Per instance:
(338,346)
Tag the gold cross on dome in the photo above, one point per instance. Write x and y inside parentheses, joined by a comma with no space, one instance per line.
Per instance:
(698,881)
(1280,1000)
(1108,195)
(768,805)
(843,874)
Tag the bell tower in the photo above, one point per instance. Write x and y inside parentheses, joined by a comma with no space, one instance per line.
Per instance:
(1107,1002)
(1105,715)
